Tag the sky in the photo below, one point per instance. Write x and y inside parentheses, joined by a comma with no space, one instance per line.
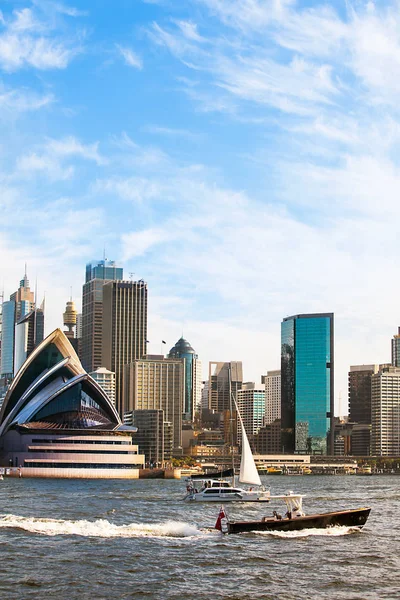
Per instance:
(241,156)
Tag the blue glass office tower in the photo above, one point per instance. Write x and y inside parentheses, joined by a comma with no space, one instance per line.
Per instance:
(307,375)
(183,349)
(7,343)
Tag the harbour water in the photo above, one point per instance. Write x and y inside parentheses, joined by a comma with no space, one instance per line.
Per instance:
(138,540)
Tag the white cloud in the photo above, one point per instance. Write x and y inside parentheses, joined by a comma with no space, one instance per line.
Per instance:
(21,100)
(130,57)
(28,41)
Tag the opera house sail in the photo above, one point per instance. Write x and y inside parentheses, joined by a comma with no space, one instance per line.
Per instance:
(56,421)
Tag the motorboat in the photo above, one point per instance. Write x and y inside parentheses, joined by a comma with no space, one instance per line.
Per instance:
(274,471)
(294,519)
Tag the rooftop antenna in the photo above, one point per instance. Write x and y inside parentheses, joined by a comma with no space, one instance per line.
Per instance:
(70,295)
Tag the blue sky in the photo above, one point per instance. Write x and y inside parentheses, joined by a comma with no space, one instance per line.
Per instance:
(240,156)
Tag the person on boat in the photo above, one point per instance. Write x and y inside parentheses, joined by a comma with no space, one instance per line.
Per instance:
(277,516)
(289,514)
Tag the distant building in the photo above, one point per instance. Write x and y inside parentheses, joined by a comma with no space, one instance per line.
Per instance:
(385,410)
(157,385)
(251,404)
(360,393)
(268,439)
(307,376)
(106,380)
(21,303)
(153,436)
(184,350)
(272,383)
(97,274)
(29,332)
(124,329)
(204,396)
(223,377)
(8,336)
(396,349)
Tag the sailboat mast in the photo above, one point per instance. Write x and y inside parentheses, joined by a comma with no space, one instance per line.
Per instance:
(231,423)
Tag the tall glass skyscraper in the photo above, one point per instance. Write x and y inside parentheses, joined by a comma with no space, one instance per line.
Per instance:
(307,375)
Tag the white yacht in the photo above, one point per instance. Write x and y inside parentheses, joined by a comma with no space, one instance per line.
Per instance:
(220,490)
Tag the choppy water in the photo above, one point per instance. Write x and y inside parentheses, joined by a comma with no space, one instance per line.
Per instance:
(138,539)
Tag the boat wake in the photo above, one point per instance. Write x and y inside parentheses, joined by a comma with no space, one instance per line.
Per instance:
(100,528)
(329,531)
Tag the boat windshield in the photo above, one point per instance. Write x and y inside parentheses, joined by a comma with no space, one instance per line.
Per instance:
(294,504)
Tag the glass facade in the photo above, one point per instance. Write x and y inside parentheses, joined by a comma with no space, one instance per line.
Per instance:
(183,349)
(7,343)
(103,269)
(307,383)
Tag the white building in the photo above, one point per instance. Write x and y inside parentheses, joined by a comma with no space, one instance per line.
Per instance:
(272,396)
(106,380)
(251,403)
(197,385)
(385,412)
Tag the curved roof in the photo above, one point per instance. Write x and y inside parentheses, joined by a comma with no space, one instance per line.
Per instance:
(52,389)
(181,347)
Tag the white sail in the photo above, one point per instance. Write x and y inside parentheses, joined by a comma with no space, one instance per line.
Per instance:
(248,470)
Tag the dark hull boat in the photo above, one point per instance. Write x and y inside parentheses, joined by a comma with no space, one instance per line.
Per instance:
(345,518)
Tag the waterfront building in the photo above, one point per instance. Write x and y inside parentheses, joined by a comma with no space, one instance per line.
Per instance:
(124,329)
(97,274)
(251,404)
(106,380)
(272,382)
(29,332)
(56,421)
(224,378)
(157,384)
(307,376)
(385,412)
(184,351)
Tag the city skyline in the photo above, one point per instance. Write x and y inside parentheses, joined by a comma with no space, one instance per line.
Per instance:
(233,159)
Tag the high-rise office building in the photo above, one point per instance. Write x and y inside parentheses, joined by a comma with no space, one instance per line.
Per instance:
(224,378)
(307,376)
(97,274)
(272,382)
(29,332)
(360,393)
(251,404)
(396,349)
(157,384)
(21,303)
(124,328)
(184,350)
(385,412)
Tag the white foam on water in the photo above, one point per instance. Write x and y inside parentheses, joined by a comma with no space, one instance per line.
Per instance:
(329,531)
(99,528)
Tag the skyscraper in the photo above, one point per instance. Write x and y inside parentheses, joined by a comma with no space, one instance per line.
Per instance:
(307,375)
(124,329)
(29,332)
(272,382)
(360,393)
(223,377)
(251,404)
(184,350)
(20,304)
(385,412)
(97,274)
(396,349)
(157,384)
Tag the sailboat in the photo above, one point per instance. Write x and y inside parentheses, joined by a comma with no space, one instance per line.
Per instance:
(220,490)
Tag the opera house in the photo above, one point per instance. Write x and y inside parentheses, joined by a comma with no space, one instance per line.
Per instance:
(56,421)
